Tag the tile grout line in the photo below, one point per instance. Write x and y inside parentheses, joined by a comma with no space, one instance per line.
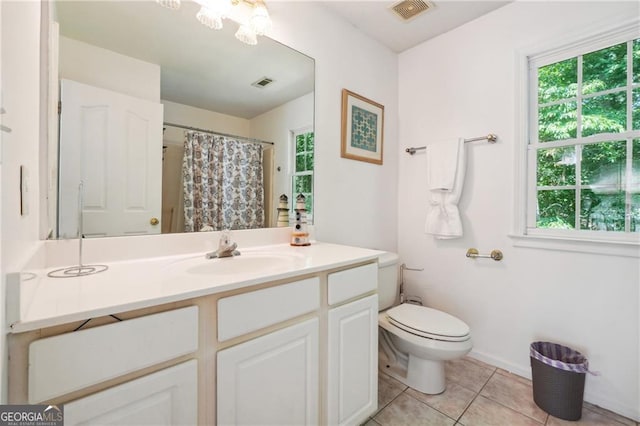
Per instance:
(505,406)
(495,369)
(433,408)
(388,403)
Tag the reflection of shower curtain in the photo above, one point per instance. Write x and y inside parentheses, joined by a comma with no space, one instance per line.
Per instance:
(223,183)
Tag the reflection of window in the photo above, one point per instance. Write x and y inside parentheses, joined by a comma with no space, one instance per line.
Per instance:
(302,176)
(584,140)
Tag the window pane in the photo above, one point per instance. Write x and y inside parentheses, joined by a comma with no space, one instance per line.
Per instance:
(604,69)
(558,81)
(636,61)
(635,213)
(603,165)
(602,210)
(301,184)
(309,141)
(309,161)
(635,109)
(300,143)
(557,122)
(604,114)
(556,209)
(557,166)
(300,163)
(634,187)
(308,201)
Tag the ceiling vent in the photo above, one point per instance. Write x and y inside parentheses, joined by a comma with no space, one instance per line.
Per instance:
(263,82)
(409,9)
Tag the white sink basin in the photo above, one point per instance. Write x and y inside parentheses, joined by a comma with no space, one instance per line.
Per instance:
(246,263)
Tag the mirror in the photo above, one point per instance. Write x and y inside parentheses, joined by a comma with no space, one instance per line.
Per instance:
(184,76)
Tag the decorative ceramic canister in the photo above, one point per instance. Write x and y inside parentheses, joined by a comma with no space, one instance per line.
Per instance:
(299,235)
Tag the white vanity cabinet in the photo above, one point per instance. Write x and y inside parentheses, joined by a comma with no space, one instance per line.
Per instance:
(352,383)
(297,350)
(318,370)
(273,378)
(68,368)
(167,397)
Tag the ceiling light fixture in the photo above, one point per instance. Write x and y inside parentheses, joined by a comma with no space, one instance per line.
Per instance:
(212,12)
(169,4)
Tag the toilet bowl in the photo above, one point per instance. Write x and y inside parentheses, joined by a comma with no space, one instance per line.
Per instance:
(415,341)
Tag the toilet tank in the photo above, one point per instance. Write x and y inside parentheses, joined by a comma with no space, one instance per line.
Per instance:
(388,291)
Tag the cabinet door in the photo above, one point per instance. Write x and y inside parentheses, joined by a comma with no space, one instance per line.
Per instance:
(168,397)
(270,380)
(353,362)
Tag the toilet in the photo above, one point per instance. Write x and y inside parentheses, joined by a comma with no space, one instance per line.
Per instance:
(415,341)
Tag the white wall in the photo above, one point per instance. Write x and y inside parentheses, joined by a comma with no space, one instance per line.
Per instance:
(89,64)
(21,100)
(200,118)
(355,202)
(463,84)
(276,126)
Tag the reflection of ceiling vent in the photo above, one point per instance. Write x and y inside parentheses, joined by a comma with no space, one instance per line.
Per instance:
(409,9)
(263,82)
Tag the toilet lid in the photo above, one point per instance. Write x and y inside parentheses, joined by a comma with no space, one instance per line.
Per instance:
(428,322)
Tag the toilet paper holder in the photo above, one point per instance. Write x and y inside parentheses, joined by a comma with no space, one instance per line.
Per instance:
(495,254)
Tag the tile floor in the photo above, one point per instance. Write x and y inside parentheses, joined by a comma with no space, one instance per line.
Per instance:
(477,395)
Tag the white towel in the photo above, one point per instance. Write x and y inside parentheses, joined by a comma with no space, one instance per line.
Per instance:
(443,219)
(442,163)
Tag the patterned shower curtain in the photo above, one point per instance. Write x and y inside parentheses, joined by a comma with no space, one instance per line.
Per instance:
(223,183)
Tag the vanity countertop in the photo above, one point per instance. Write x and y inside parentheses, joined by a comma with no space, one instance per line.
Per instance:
(130,285)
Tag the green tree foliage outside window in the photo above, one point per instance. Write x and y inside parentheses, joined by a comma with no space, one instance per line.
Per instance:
(588,141)
(303,173)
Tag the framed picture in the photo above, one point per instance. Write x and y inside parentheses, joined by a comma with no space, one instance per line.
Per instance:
(362,128)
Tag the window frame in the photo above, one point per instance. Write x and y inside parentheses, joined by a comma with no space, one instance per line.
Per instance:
(524,231)
(292,175)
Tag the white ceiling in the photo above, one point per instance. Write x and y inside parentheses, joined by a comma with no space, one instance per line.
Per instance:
(378,21)
(200,67)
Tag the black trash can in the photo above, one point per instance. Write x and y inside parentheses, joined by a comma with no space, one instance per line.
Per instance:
(558,375)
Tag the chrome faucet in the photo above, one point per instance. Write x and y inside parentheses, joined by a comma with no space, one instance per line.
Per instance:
(226,248)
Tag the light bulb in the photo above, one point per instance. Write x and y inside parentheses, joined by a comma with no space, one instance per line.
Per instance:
(247,35)
(260,20)
(209,18)
(169,4)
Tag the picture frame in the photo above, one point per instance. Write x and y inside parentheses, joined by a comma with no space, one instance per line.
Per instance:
(362,128)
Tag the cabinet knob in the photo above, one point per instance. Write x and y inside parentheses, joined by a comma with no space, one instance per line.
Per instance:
(154,221)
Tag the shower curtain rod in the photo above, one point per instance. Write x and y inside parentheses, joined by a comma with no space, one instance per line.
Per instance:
(180,126)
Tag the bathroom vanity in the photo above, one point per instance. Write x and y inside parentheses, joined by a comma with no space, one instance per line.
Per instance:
(278,335)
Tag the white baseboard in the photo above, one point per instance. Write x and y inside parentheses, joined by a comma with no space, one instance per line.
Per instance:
(595,399)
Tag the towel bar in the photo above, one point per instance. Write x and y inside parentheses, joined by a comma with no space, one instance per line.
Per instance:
(495,254)
(491,138)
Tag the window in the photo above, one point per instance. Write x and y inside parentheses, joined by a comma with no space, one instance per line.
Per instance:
(302,176)
(584,142)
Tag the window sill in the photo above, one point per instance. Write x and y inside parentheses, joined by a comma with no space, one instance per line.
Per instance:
(577,245)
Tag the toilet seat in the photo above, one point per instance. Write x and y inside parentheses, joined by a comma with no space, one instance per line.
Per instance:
(429,323)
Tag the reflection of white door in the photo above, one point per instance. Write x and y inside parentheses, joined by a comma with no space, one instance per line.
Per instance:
(113,144)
